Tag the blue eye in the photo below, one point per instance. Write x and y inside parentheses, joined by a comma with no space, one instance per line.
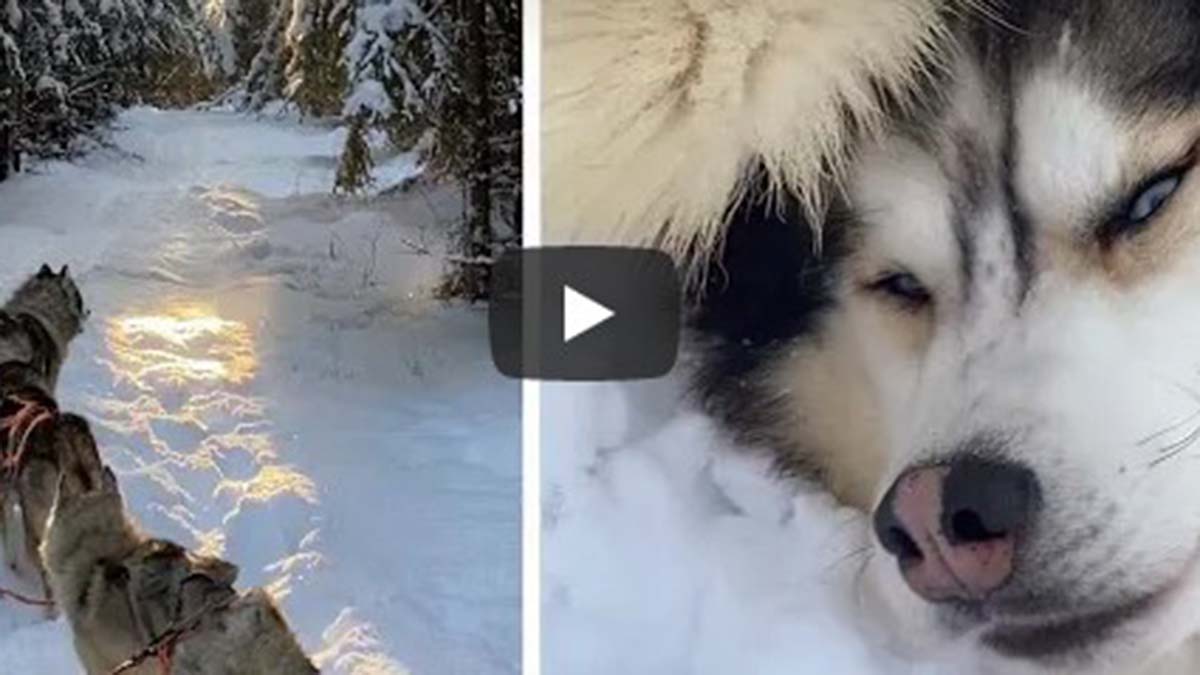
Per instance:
(1152,197)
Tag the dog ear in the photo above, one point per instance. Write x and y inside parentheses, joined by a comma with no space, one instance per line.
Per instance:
(108,481)
(221,572)
(77,447)
(45,271)
(63,272)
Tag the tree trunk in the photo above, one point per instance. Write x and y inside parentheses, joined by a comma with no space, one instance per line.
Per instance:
(10,129)
(5,148)
(478,227)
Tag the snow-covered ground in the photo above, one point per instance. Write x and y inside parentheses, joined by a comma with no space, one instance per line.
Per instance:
(267,374)
(668,550)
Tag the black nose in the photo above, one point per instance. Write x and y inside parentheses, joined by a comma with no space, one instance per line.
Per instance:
(984,500)
(954,527)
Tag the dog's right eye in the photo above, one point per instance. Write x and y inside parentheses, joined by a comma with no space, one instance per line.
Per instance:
(903,287)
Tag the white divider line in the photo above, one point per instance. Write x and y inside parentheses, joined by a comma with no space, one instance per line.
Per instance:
(531,474)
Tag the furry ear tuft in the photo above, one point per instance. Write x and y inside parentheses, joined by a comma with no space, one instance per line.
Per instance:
(45,271)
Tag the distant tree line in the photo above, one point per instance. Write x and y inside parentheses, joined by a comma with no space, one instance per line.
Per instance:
(442,77)
(66,66)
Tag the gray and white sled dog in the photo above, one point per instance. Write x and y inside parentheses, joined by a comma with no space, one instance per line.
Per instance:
(993,350)
(37,325)
(145,606)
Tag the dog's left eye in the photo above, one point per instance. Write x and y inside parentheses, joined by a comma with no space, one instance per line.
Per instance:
(1145,204)
(1152,198)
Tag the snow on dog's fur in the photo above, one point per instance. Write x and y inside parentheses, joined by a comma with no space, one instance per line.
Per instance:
(1011,278)
(654,109)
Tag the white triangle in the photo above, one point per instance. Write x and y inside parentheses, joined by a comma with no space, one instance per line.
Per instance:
(581,313)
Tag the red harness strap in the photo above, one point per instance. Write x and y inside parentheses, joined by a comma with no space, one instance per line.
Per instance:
(163,646)
(25,599)
(163,649)
(166,655)
(30,414)
(19,425)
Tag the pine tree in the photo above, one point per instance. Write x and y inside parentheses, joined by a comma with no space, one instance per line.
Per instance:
(81,59)
(265,82)
(12,86)
(443,76)
(476,118)
(317,73)
(247,21)
(354,168)
(372,57)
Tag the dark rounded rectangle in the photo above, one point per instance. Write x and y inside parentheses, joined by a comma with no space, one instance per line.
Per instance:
(526,318)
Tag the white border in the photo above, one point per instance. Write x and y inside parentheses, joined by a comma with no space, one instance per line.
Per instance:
(531,401)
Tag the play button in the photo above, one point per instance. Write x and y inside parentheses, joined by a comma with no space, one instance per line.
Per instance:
(581,314)
(584,313)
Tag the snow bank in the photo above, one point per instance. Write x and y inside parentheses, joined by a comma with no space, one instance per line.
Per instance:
(667,550)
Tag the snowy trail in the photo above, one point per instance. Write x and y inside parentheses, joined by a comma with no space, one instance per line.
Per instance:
(267,376)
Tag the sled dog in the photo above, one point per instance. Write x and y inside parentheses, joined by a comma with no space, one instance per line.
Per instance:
(994,347)
(36,325)
(143,604)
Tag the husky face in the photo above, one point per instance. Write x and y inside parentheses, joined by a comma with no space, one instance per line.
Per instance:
(998,354)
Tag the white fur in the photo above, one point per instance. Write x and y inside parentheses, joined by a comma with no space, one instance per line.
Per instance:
(1093,377)
(654,109)
(1077,142)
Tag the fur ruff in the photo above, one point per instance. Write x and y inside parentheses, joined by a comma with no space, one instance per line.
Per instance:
(655,111)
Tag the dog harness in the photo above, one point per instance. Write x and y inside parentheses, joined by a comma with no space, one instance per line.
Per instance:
(20,416)
(162,647)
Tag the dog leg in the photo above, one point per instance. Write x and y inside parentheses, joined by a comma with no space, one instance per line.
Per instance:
(32,548)
(11,525)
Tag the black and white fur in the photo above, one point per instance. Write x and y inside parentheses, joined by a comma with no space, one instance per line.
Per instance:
(988,274)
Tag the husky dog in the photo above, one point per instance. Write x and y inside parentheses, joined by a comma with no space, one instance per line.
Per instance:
(994,348)
(52,443)
(653,109)
(36,325)
(134,601)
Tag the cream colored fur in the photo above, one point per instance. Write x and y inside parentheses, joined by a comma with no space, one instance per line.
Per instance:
(654,109)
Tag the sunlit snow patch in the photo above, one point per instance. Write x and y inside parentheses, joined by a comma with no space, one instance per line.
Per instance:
(181,345)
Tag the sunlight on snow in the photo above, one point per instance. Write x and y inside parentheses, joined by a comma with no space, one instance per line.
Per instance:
(270,482)
(183,344)
(188,346)
(352,646)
